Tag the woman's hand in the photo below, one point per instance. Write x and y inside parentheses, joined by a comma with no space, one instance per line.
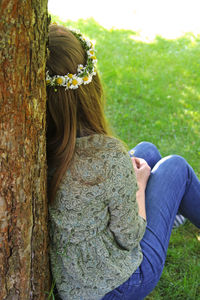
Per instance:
(142,171)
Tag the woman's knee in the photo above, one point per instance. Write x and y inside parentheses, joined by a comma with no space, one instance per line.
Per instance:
(148,146)
(172,165)
(176,160)
(147,151)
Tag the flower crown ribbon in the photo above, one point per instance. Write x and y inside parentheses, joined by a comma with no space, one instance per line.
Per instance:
(84,73)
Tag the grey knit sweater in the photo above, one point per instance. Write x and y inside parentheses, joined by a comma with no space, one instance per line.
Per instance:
(95,229)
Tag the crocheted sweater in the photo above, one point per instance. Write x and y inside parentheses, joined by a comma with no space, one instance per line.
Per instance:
(95,228)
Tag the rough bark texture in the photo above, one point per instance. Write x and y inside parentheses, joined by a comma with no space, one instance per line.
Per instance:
(24,270)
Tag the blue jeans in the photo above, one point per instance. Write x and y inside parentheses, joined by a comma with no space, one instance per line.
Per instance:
(172,187)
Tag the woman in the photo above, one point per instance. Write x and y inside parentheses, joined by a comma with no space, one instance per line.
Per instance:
(111,216)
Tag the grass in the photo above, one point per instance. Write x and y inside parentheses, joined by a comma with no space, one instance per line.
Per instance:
(153,93)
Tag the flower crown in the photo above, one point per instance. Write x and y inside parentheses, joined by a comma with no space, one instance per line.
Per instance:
(84,73)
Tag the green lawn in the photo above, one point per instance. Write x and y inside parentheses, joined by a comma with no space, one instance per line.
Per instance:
(153,93)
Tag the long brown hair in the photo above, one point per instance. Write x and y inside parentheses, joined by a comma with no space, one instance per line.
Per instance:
(70,113)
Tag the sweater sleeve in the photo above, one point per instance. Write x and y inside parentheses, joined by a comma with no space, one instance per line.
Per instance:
(125,224)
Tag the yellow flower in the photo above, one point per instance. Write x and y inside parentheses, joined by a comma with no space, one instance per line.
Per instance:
(70,75)
(74,82)
(48,81)
(93,57)
(59,80)
(85,78)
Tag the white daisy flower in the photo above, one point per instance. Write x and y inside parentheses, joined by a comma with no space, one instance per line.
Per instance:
(48,78)
(131,152)
(87,79)
(75,82)
(91,52)
(93,73)
(87,41)
(60,80)
(94,60)
(80,68)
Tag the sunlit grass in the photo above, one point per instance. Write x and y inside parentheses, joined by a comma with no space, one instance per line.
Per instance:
(153,93)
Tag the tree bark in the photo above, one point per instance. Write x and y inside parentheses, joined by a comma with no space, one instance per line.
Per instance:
(24,267)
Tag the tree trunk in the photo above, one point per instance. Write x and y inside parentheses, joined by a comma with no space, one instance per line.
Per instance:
(24,269)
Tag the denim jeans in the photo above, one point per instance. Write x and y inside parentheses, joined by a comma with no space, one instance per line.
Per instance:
(172,187)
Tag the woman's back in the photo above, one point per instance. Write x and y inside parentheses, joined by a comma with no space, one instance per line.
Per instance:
(90,230)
